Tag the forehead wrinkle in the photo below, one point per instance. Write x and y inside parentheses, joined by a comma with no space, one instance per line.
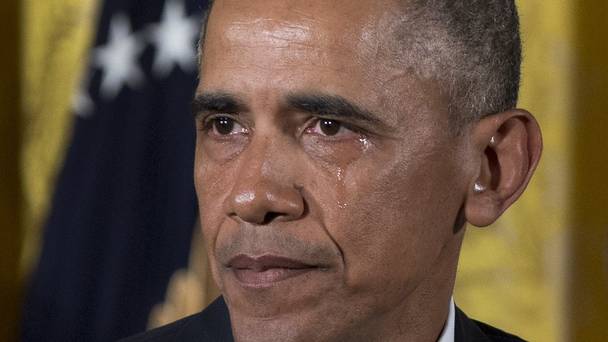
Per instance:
(279,33)
(285,43)
(290,24)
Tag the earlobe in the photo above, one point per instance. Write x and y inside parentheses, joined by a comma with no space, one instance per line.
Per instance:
(508,146)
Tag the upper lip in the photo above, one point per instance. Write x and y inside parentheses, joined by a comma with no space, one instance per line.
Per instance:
(265,262)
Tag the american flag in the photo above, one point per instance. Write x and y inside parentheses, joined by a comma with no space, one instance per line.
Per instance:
(124,206)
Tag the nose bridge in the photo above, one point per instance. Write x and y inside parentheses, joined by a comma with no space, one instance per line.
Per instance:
(253,164)
(265,186)
(262,162)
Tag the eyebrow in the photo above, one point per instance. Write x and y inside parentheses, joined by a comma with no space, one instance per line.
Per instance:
(214,102)
(320,104)
(331,105)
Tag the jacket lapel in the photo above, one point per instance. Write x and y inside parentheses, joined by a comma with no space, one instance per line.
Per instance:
(213,325)
(466,330)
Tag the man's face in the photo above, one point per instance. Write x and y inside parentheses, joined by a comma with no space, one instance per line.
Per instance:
(329,182)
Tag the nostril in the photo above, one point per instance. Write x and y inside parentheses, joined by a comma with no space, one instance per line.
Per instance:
(270,216)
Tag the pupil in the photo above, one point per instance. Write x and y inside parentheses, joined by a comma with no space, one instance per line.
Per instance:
(224,125)
(330,127)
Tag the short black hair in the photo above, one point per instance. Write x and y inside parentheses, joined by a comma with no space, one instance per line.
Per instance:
(204,22)
(472,48)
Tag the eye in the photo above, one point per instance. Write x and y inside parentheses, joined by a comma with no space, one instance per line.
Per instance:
(224,125)
(327,127)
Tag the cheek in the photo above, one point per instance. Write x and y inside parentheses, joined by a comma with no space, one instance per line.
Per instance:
(198,168)
(394,221)
(221,149)
(338,152)
(210,181)
(211,189)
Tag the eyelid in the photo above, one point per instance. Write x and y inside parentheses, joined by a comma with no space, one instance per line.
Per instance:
(206,122)
(345,123)
(315,121)
(207,118)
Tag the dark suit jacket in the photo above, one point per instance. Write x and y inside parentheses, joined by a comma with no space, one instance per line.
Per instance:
(213,324)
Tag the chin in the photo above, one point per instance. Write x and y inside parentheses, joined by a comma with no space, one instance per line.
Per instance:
(299,308)
(276,298)
(295,326)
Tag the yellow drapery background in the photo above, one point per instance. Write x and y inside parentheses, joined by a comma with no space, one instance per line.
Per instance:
(10,191)
(539,272)
(56,36)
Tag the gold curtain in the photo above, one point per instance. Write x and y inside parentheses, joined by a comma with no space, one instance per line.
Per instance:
(44,47)
(588,267)
(10,190)
(57,35)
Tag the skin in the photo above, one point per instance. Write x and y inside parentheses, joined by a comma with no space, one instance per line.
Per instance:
(377,208)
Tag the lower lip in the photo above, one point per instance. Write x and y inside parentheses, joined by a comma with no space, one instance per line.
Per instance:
(263,279)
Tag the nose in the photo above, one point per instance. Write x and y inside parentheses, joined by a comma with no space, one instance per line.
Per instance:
(265,189)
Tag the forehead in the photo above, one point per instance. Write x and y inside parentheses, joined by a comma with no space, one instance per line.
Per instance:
(301,19)
(276,33)
(340,46)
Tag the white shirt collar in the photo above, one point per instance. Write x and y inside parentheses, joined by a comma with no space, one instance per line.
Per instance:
(447,335)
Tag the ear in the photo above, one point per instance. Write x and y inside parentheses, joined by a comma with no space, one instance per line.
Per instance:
(507,147)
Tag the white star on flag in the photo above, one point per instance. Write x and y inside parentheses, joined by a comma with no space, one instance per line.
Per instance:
(174,38)
(118,58)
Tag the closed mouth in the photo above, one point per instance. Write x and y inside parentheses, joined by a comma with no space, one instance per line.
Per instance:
(266,270)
